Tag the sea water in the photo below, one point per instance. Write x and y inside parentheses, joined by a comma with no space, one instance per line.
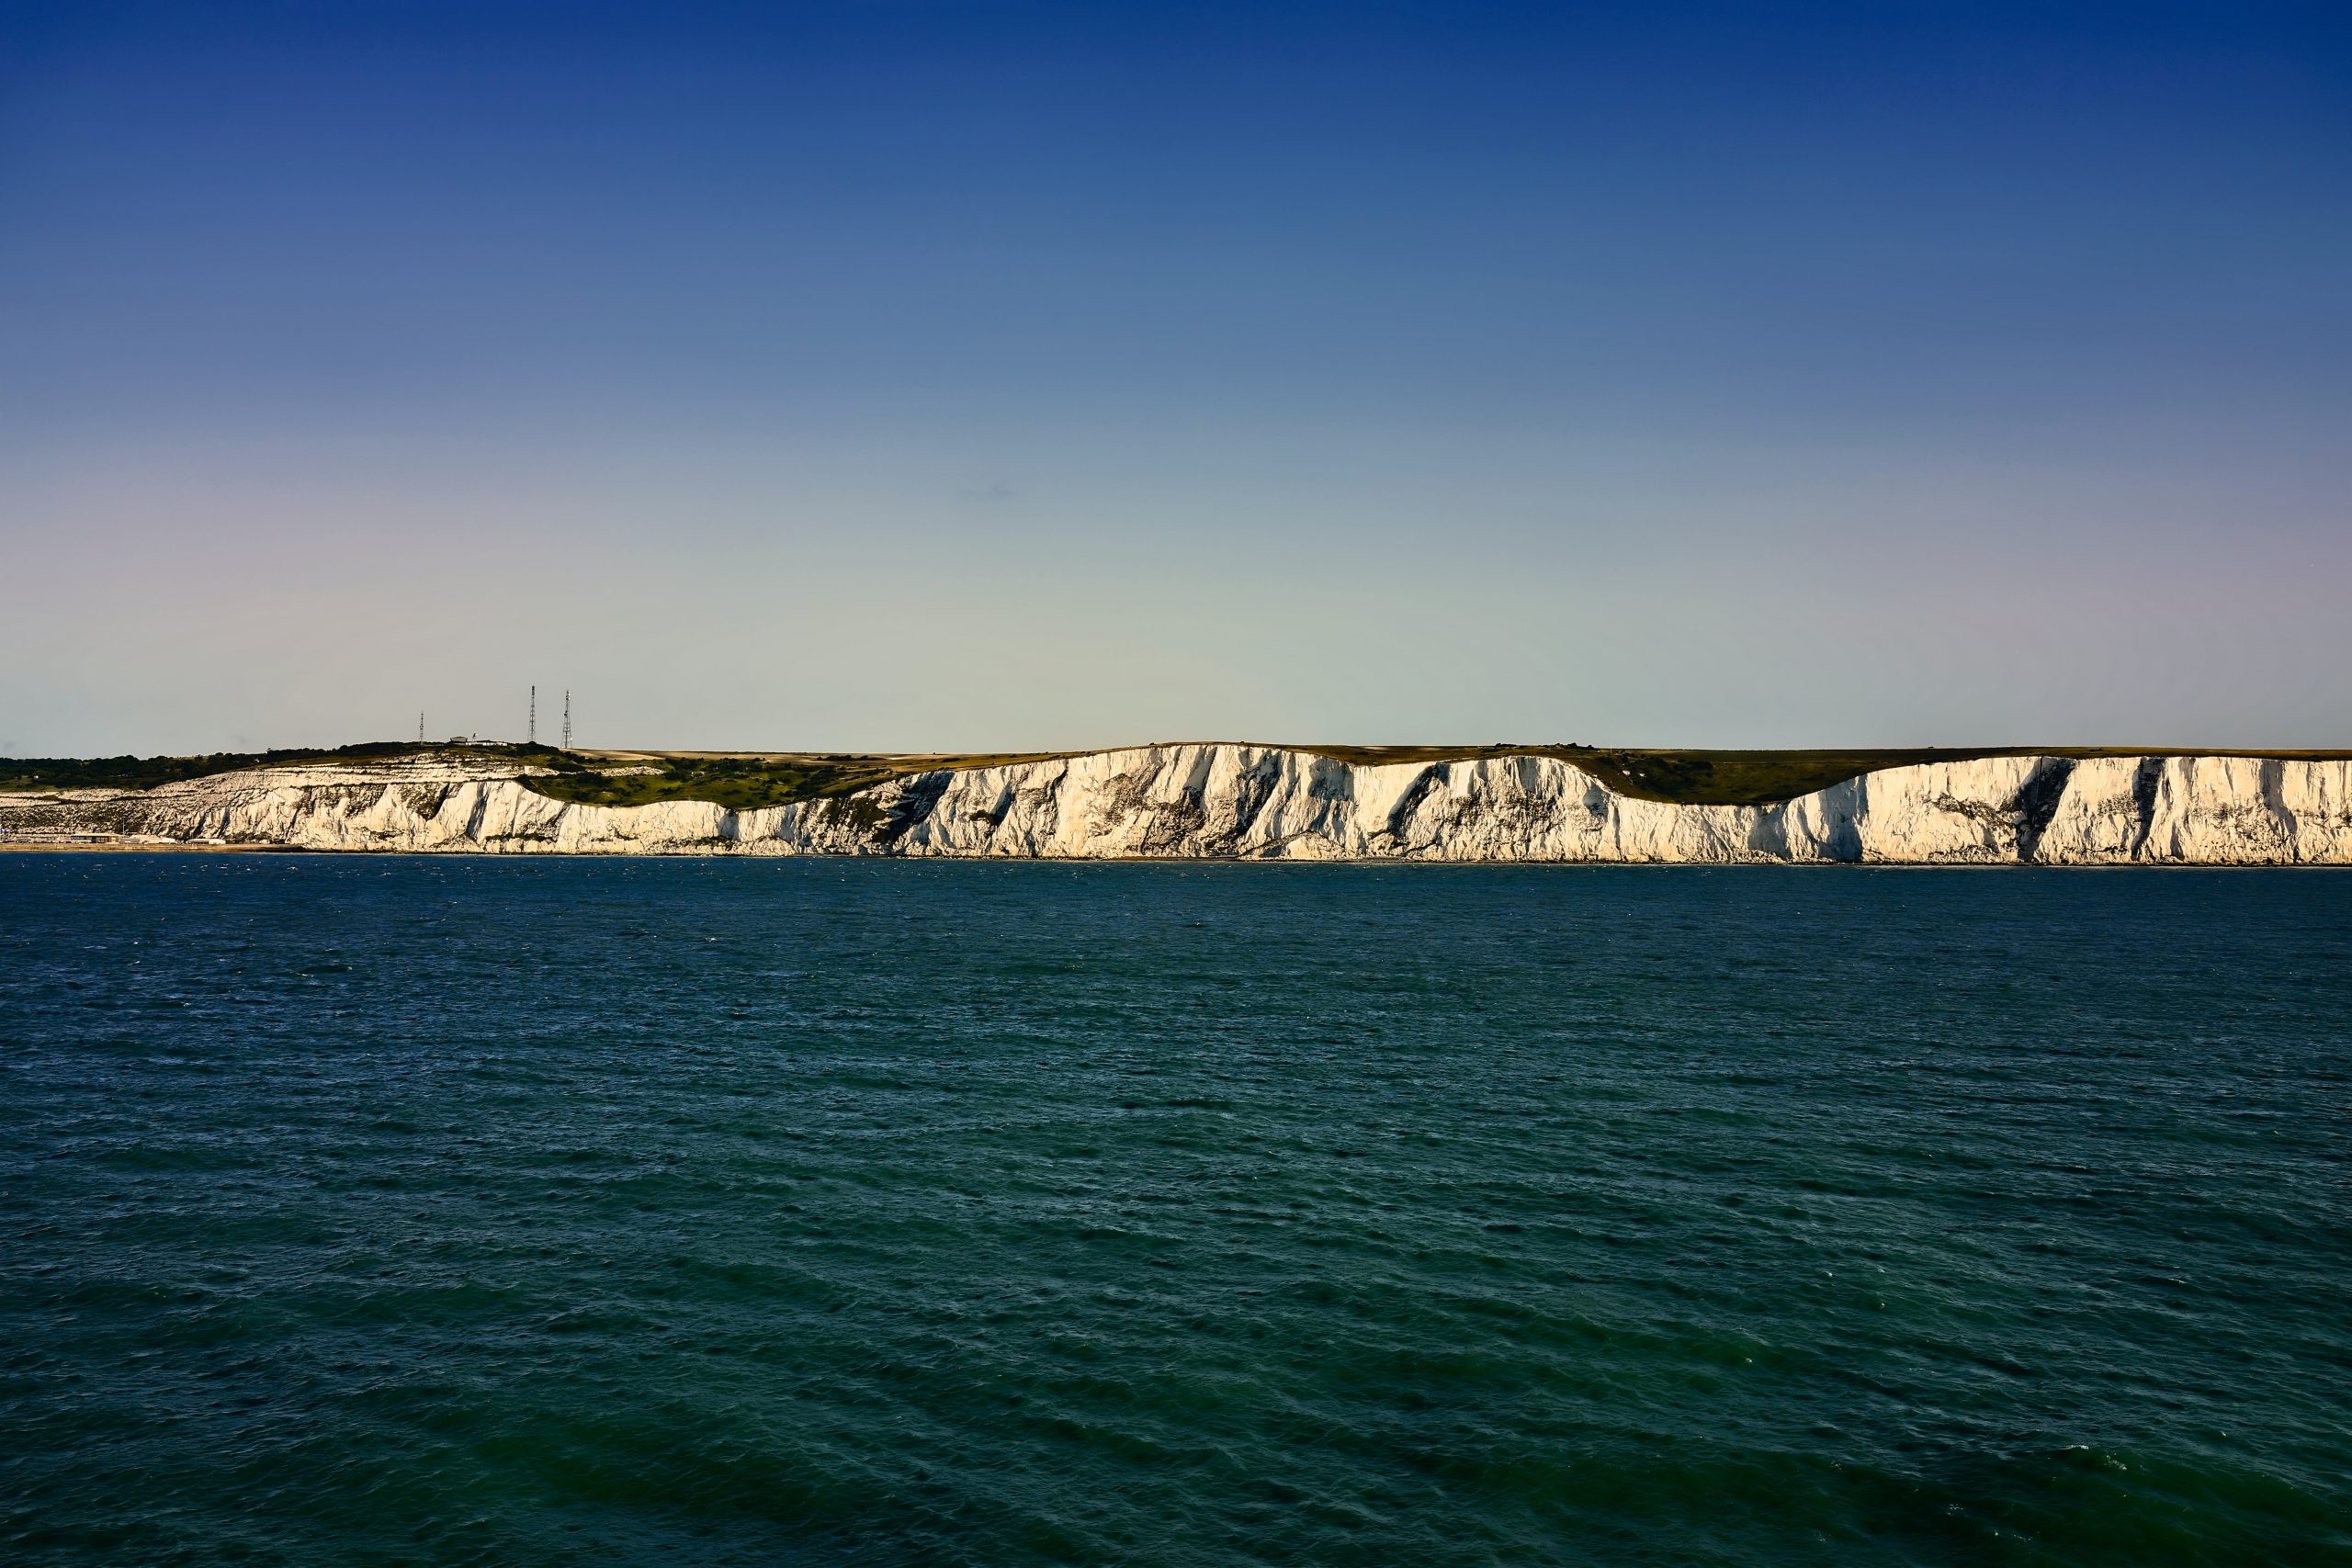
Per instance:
(385,1210)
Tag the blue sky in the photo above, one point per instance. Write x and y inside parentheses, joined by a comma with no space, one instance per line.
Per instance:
(908,376)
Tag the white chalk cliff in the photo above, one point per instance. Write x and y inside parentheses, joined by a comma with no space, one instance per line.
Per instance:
(1266,803)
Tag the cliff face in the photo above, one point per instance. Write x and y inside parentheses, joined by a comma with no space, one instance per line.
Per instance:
(1263,802)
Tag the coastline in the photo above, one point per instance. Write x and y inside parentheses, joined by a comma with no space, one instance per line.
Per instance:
(1195,802)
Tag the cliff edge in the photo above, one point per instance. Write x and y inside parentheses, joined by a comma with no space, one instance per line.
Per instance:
(1245,802)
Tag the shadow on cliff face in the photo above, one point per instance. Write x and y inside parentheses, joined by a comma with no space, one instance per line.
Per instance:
(2037,802)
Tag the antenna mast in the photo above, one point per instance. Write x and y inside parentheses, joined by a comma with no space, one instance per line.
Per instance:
(419,726)
(531,735)
(567,719)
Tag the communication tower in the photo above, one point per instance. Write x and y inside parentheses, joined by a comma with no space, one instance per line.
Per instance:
(531,735)
(567,719)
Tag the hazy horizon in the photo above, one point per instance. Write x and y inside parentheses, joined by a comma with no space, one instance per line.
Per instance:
(916,377)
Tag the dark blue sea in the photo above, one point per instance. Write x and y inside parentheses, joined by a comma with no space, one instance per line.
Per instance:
(395,1211)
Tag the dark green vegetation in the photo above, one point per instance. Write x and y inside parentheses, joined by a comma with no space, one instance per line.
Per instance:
(1749,778)
(1700,778)
(748,781)
(739,782)
(146,772)
(1705,778)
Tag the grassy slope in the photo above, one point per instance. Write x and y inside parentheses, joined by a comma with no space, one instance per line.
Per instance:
(146,772)
(1697,778)
(741,783)
(747,780)
(1754,778)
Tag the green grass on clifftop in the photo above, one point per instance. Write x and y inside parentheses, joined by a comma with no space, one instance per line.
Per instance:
(740,781)
(1701,778)
(19,773)
(1752,778)
(740,784)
